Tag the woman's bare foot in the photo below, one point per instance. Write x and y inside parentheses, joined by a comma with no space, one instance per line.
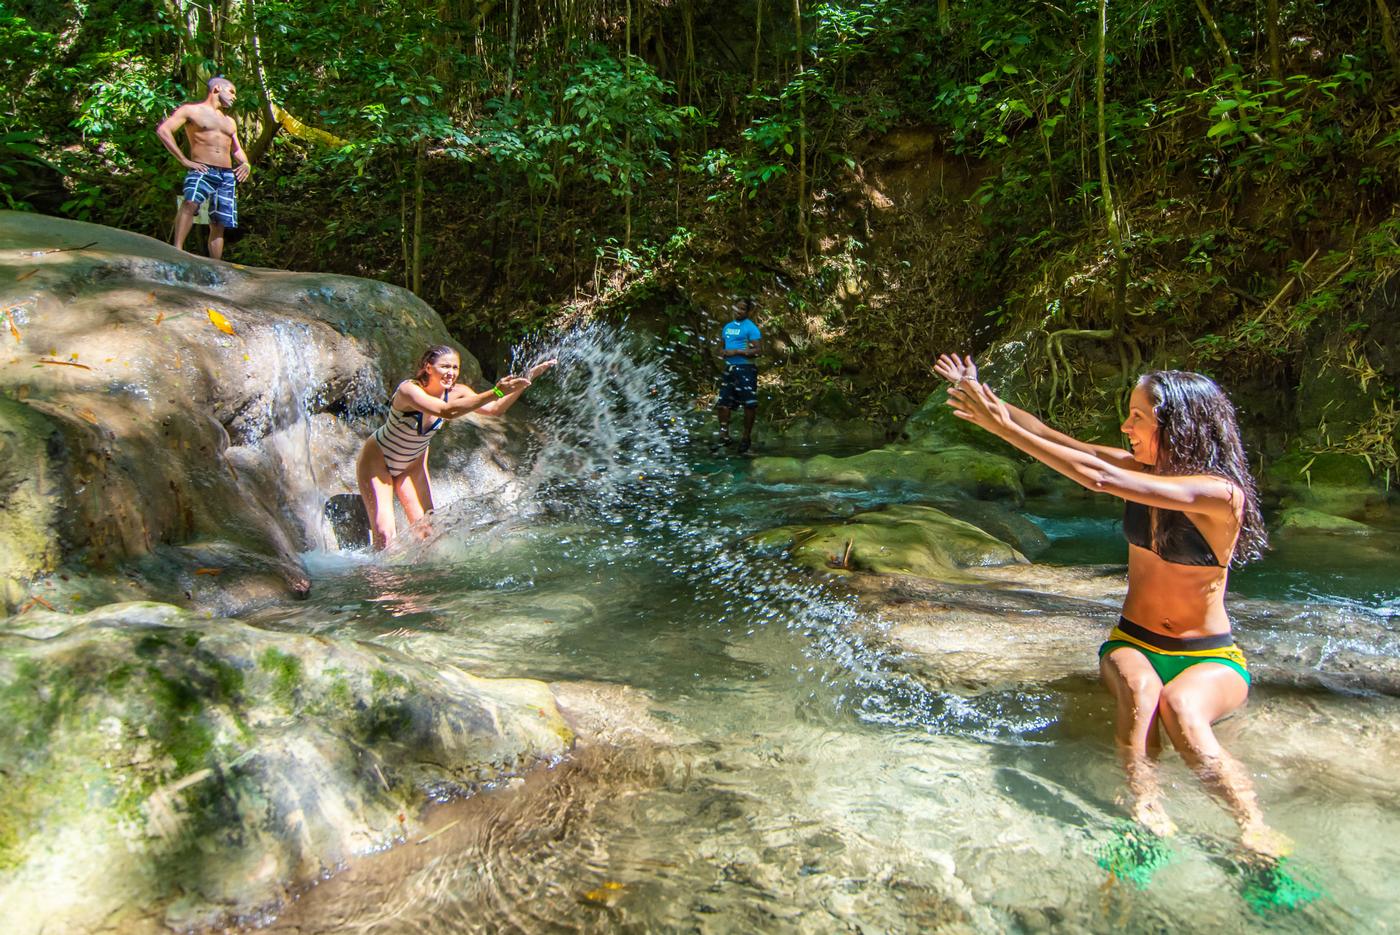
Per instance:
(1151,815)
(1261,842)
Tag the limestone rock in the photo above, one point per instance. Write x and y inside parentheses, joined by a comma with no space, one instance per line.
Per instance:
(150,398)
(1302,519)
(907,539)
(160,763)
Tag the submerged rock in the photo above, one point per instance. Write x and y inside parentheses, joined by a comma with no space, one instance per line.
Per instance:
(906,539)
(1301,519)
(161,766)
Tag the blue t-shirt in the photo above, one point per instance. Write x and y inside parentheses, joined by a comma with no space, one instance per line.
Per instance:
(737,335)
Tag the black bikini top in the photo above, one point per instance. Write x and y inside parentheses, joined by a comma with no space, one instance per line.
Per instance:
(1178,539)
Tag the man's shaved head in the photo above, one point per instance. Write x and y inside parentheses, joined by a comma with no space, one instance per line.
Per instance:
(219,82)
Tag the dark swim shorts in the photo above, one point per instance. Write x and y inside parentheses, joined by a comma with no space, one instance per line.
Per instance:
(218,186)
(740,387)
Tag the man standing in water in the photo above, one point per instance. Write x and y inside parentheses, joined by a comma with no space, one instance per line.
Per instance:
(738,344)
(216,162)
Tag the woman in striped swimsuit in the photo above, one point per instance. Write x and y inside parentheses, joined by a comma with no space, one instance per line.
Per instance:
(394,460)
(1171,664)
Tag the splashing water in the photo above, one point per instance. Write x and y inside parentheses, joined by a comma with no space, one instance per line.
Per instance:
(613,450)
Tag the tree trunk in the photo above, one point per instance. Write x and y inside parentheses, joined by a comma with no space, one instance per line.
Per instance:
(757,42)
(943,16)
(403,230)
(801,136)
(1275,52)
(270,123)
(1105,189)
(1216,34)
(1224,47)
(514,27)
(1388,37)
(419,158)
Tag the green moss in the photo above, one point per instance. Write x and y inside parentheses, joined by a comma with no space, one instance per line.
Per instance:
(286,673)
(228,676)
(386,716)
(31,705)
(119,678)
(383,682)
(150,645)
(339,693)
(178,725)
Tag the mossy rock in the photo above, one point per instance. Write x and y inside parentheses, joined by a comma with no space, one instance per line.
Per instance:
(1304,520)
(1002,522)
(819,431)
(933,427)
(1330,482)
(1039,480)
(908,539)
(151,754)
(977,473)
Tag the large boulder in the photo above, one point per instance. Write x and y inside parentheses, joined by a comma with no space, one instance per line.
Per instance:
(904,539)
(1329,482)
(150,398)
(159,766)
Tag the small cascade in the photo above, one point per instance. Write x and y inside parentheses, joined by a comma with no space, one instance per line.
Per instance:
(297,446)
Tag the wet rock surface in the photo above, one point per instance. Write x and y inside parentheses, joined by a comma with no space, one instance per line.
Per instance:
(162,768)
(906,538)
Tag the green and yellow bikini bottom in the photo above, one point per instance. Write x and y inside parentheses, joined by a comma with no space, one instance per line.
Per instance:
(1171,656)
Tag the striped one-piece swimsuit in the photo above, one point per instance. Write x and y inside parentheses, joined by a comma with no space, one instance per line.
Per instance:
(403,438)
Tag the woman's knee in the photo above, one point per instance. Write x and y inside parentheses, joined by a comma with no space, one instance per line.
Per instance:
(1139,682)
(1185,712)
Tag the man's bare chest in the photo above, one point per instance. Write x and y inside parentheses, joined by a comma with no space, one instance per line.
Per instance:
(204,124)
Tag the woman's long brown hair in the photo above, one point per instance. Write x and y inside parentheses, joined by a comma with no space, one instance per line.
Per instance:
(1197,433)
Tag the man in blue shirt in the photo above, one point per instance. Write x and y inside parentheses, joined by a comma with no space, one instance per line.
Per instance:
(739,344)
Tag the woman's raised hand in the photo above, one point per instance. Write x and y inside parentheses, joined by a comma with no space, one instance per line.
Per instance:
(540,368)
(976,403)
(512,384)
(955,369)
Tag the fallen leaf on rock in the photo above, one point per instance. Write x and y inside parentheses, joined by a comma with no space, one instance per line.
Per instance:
(64,363)
(23,276)
(160,317)
(87,415)
(14,330)
(209,571)
(220,322)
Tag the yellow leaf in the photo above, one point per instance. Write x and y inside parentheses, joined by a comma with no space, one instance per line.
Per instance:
(220,321)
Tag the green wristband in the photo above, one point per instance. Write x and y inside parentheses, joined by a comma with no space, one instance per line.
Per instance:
(497,391)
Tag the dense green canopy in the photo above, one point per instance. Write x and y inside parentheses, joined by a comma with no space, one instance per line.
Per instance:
(1205,182)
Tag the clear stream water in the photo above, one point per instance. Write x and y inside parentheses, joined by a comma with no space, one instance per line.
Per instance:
(786,773)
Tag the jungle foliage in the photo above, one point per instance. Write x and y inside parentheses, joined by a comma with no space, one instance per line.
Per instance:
(1208,183)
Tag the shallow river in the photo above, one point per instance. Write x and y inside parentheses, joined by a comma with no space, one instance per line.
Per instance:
(774,771)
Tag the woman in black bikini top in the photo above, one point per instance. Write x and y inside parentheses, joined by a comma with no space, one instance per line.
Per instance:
(1191,509)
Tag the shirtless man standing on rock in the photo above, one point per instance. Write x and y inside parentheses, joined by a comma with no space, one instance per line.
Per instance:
(216,162)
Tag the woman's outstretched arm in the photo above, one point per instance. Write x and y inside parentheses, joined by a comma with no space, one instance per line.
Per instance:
(498,406)
(955,369)
(460,401)
(1206,494)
